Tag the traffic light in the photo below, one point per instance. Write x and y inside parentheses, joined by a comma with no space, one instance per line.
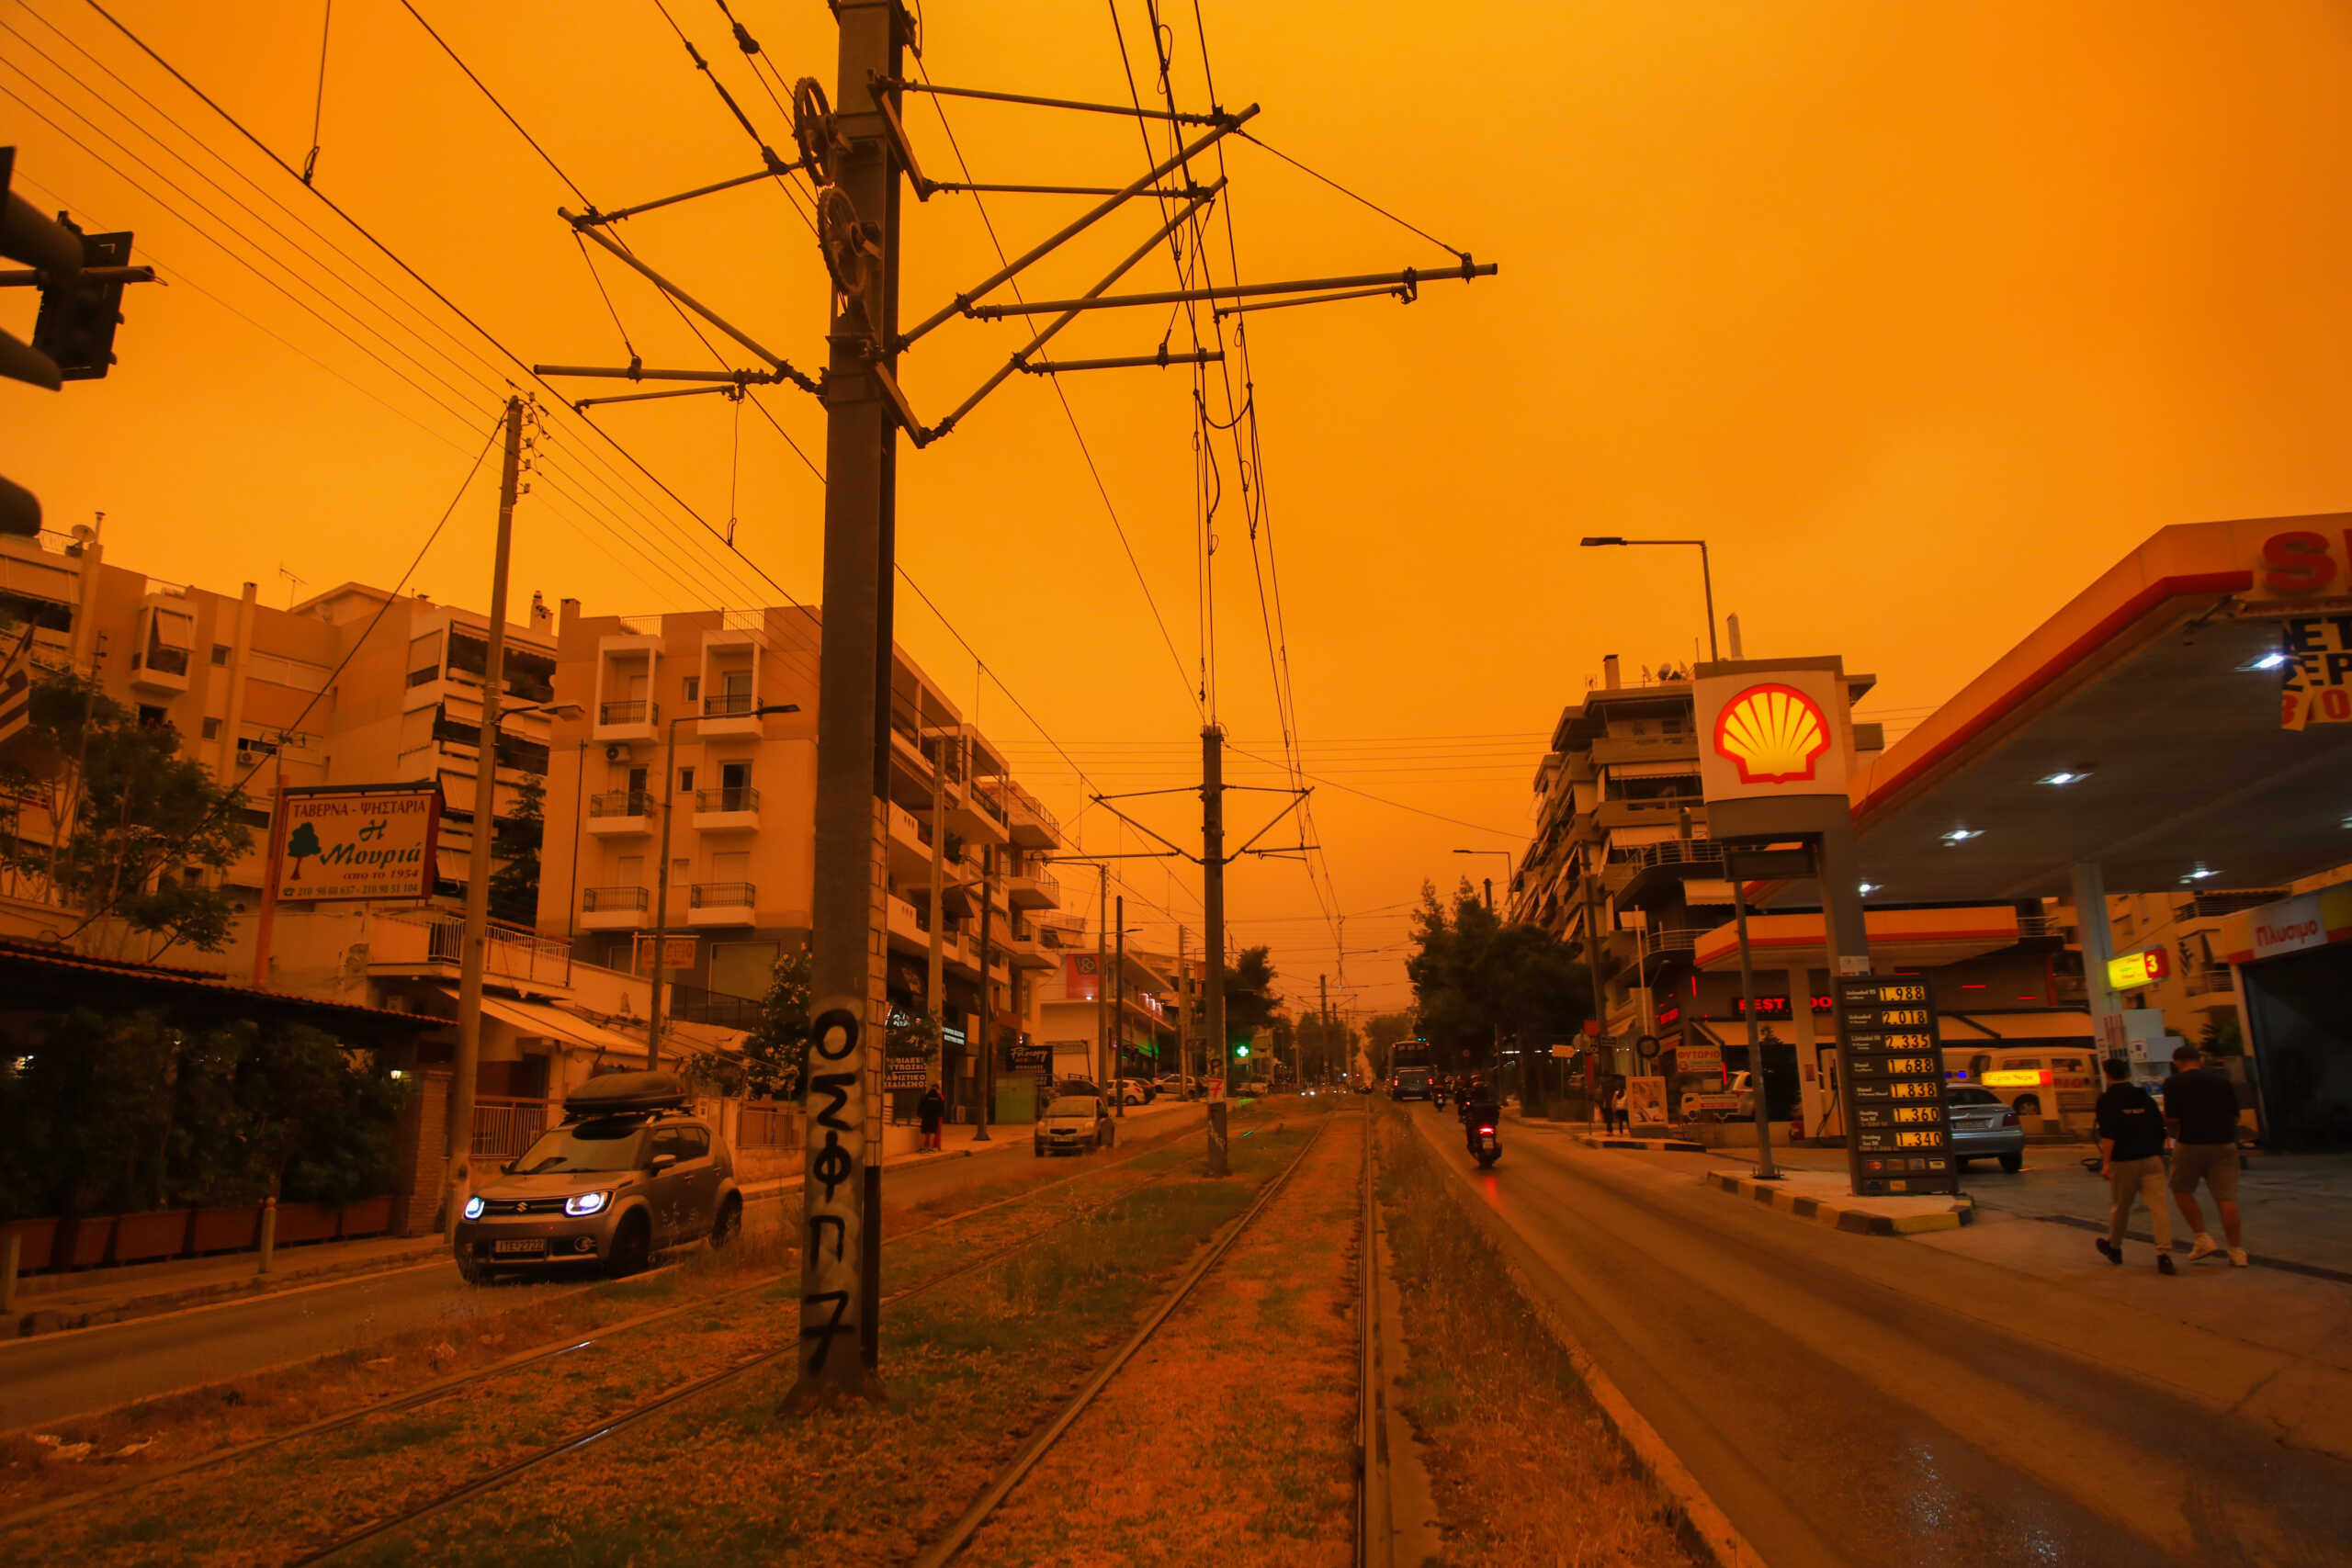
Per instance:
(81,278)
(1240,1050)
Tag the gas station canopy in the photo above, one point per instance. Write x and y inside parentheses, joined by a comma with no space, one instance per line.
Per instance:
(2138,729)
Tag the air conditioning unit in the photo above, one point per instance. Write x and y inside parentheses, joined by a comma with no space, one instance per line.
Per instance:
(617,751)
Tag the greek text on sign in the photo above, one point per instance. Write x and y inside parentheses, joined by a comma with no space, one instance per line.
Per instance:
(1698,1058)
(359,843)
(2316,683)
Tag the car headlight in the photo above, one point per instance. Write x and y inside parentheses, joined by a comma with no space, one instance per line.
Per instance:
(586,1203)
(473,1207)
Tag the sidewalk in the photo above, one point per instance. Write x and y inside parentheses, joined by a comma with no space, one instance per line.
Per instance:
(47,1303)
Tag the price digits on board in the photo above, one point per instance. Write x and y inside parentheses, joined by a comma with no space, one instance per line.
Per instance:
(1901,1136)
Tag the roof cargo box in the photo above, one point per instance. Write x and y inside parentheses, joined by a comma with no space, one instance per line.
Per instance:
(619,1094)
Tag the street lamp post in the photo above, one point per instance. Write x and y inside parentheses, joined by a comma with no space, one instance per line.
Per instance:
(1706,577)
(662,874)
(1509,860)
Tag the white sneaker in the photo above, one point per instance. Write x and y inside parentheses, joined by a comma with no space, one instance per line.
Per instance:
(2237,1258)
(2201,1247)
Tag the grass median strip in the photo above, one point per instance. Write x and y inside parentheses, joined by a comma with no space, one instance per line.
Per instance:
(1523,1467)
(296,1496)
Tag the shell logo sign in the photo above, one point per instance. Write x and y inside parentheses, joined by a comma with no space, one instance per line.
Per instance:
(1772,734)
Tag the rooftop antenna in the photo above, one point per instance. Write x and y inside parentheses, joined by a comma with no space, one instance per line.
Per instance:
(293,583)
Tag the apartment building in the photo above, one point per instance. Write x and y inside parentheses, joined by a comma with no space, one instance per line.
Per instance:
(681,720)
(1088,997)
(353,685)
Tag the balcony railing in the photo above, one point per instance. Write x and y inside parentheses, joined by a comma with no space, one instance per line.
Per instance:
(510,952)
(2217,981)
(622,803)
(594,900)
(720,895)
(727,704)
(635,712)
(738,797)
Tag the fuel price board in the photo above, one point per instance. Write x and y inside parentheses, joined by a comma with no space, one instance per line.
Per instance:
(1899,1133)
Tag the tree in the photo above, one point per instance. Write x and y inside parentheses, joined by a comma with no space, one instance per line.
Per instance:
(514,885)
(148,831)
(302,844)
(1480,981)
(1250,999)
(775,1052)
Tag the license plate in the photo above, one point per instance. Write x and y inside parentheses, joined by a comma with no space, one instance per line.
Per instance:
(534,1246)
(1487,1142)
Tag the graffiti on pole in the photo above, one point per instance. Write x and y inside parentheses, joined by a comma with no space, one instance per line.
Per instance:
(832,1196)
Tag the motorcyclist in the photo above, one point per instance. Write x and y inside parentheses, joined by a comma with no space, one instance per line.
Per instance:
(1481,1107)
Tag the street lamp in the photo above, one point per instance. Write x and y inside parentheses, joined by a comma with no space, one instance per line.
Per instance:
(1705,577)
(661,873)
(1509,860)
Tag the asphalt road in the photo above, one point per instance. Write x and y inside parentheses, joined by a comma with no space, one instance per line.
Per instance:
(50,1376)
(1853,1400)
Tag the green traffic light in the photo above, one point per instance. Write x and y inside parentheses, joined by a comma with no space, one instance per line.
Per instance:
(1241,1051)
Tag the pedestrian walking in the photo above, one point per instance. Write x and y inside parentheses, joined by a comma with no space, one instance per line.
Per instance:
(2132,1157)
(932,1108)
(2201,1112)
(1621,1116)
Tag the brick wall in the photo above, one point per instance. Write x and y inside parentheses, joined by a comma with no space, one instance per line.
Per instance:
(422,1161)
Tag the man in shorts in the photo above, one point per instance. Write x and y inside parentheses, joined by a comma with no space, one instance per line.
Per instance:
(2132,1157)
(2201,1112)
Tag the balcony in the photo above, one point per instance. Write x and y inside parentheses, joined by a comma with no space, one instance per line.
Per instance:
(1024,949)
(1033,890)
(729,713)
(904,921)
(612,908)
(431,942)
(2219,981)
(632,719)
(621,811)
(977,817)
(1033,826)
(730,810)
(719,903)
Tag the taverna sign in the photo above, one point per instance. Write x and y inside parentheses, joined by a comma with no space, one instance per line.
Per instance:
(338,842)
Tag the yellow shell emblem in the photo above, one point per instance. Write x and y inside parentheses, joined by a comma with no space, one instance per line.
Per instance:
(1772,734)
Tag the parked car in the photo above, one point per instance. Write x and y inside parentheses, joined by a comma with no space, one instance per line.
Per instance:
(1074,1123)
(1135,1092)
(631,1172)
(1984,1127)
(1172,1084)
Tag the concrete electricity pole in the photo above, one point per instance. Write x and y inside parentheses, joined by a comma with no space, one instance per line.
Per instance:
(840,1199)
(987,1030)
(474,956)
(1213,939)
(1102,981)
(1183,1021)
(1322,1018)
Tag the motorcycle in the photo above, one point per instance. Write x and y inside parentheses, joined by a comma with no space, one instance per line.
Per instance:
(1481,1127)
(1437,1096)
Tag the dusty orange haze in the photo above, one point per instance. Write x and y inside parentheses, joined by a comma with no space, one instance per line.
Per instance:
(1920,312)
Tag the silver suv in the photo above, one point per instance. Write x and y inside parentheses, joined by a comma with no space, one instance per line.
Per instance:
(629,1174)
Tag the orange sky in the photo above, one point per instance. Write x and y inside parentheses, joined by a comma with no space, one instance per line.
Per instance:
(1920,313)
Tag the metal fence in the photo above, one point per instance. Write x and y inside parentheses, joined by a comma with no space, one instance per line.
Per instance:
(768,1127)
(504,1128)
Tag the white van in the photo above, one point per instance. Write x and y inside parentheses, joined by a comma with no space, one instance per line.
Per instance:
(2035,1080)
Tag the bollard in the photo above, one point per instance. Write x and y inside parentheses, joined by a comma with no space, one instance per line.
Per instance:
(11,1254)
(268,1231)
(1217,1138)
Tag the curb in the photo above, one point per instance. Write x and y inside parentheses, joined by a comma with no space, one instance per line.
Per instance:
(1708,1527)
(1654,1145)
(1846,1216)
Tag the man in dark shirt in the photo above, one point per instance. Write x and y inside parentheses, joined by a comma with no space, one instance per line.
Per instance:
(2132,1154)
(2201,1109)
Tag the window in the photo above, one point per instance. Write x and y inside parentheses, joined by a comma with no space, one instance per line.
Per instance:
(153,717)
(678,872)
(212,729)
(734,776)
(220,651)
(686,781)
(694,688)
(730,865)
(694,1143)
(631,869)
(736,683)
(636,780)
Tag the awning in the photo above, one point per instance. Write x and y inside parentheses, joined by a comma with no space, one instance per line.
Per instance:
(1927,938)
(554,1022)
(2035,1028)
(175,629)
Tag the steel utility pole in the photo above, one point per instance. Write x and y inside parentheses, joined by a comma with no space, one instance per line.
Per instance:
(474,956)
(936,976)
(987,1032)
(1213,939)
(1102,981)
(1322,1020)
(840,1199)
(1183,1021)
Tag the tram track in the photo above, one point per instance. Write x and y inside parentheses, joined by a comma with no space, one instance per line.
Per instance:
(948,1546)
(456,1383)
